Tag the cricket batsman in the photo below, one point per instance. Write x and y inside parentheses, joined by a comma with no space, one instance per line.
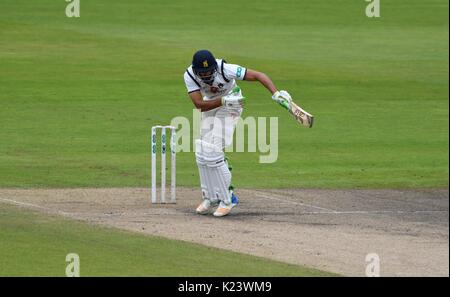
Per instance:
(211,85)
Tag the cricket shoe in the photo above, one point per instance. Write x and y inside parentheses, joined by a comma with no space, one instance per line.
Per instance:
(205,206)
(225,209)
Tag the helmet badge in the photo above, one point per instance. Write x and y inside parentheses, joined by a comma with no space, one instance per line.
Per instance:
(205,64)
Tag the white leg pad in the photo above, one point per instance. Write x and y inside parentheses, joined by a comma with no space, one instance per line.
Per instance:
(217,175)
(205,181)
(221,179)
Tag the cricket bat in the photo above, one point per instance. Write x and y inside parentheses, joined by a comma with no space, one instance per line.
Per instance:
(300,115)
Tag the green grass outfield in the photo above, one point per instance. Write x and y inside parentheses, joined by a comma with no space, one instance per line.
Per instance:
(32,244)
(78,96)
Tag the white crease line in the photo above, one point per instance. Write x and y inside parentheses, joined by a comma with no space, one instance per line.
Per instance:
(71,214)
(36,206)
(332,211)
(374,212)
(296,203)
(327,211)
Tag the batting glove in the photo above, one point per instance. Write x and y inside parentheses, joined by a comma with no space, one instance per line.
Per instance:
(283,98)
(232,102)
(234,99)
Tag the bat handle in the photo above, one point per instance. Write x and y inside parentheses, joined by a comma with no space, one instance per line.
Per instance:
(285,104)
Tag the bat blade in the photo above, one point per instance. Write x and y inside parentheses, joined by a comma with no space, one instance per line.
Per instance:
(304,118)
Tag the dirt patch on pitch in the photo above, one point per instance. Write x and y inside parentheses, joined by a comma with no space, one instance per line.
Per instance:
(331,230)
